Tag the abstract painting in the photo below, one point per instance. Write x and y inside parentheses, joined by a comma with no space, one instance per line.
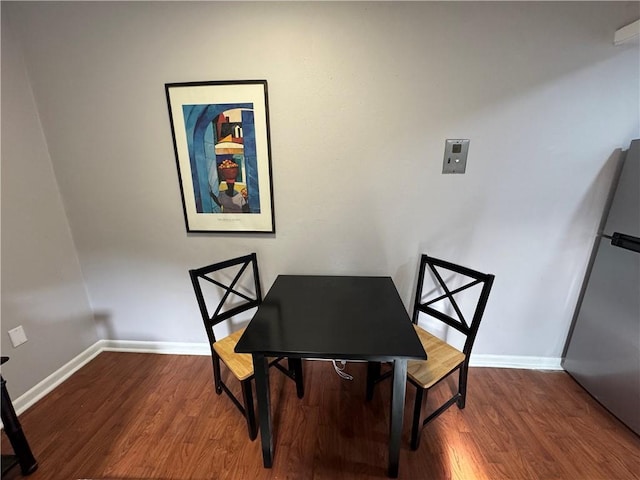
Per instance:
(221,140)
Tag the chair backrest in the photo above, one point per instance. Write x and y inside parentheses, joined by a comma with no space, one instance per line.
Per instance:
(225,289)
(443,281)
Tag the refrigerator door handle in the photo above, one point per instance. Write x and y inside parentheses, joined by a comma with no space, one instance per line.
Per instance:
(625,241)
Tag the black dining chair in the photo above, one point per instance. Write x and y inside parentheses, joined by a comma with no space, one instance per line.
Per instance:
(224,290)
(456,296)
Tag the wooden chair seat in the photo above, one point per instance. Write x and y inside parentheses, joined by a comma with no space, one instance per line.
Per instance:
(443,359)
(240,364)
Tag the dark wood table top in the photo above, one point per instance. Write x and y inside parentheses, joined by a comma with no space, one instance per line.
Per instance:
(337,317)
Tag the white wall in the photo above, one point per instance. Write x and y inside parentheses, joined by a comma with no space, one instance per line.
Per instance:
(362,96)
(42,285)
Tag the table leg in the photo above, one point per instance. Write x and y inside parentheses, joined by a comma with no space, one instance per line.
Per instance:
(373,373)
(261,373)
(296,366)
(397,410)
(13,429)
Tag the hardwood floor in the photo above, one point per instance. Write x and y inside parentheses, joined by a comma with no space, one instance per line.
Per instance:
(145,416)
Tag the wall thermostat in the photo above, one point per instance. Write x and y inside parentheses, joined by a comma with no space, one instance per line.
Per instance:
(455,156)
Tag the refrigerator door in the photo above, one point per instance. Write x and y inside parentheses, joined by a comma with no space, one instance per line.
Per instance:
(624,215)
(604,351)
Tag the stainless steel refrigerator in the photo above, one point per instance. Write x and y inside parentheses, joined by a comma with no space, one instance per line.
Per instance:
(602,352)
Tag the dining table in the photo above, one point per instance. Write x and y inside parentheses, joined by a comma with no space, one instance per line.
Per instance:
(335,317)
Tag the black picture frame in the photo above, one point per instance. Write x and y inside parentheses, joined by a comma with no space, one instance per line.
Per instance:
(222,146)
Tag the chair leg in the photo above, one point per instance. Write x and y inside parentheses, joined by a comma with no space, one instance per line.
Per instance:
(462,386)
(373,372)
(417,420)
(247,396)
(217,378)
(295,366)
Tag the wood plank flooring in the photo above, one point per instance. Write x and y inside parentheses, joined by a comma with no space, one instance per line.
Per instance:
(145,416)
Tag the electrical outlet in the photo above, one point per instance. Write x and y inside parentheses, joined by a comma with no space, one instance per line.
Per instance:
(17,336)
(455,156)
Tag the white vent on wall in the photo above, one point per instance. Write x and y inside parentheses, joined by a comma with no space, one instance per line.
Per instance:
(628,33)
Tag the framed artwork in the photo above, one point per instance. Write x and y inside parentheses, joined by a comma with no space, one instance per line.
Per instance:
(221,140)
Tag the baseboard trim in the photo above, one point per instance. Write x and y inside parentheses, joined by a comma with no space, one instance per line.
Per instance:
(33,395)
(168,348)
(515,361)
